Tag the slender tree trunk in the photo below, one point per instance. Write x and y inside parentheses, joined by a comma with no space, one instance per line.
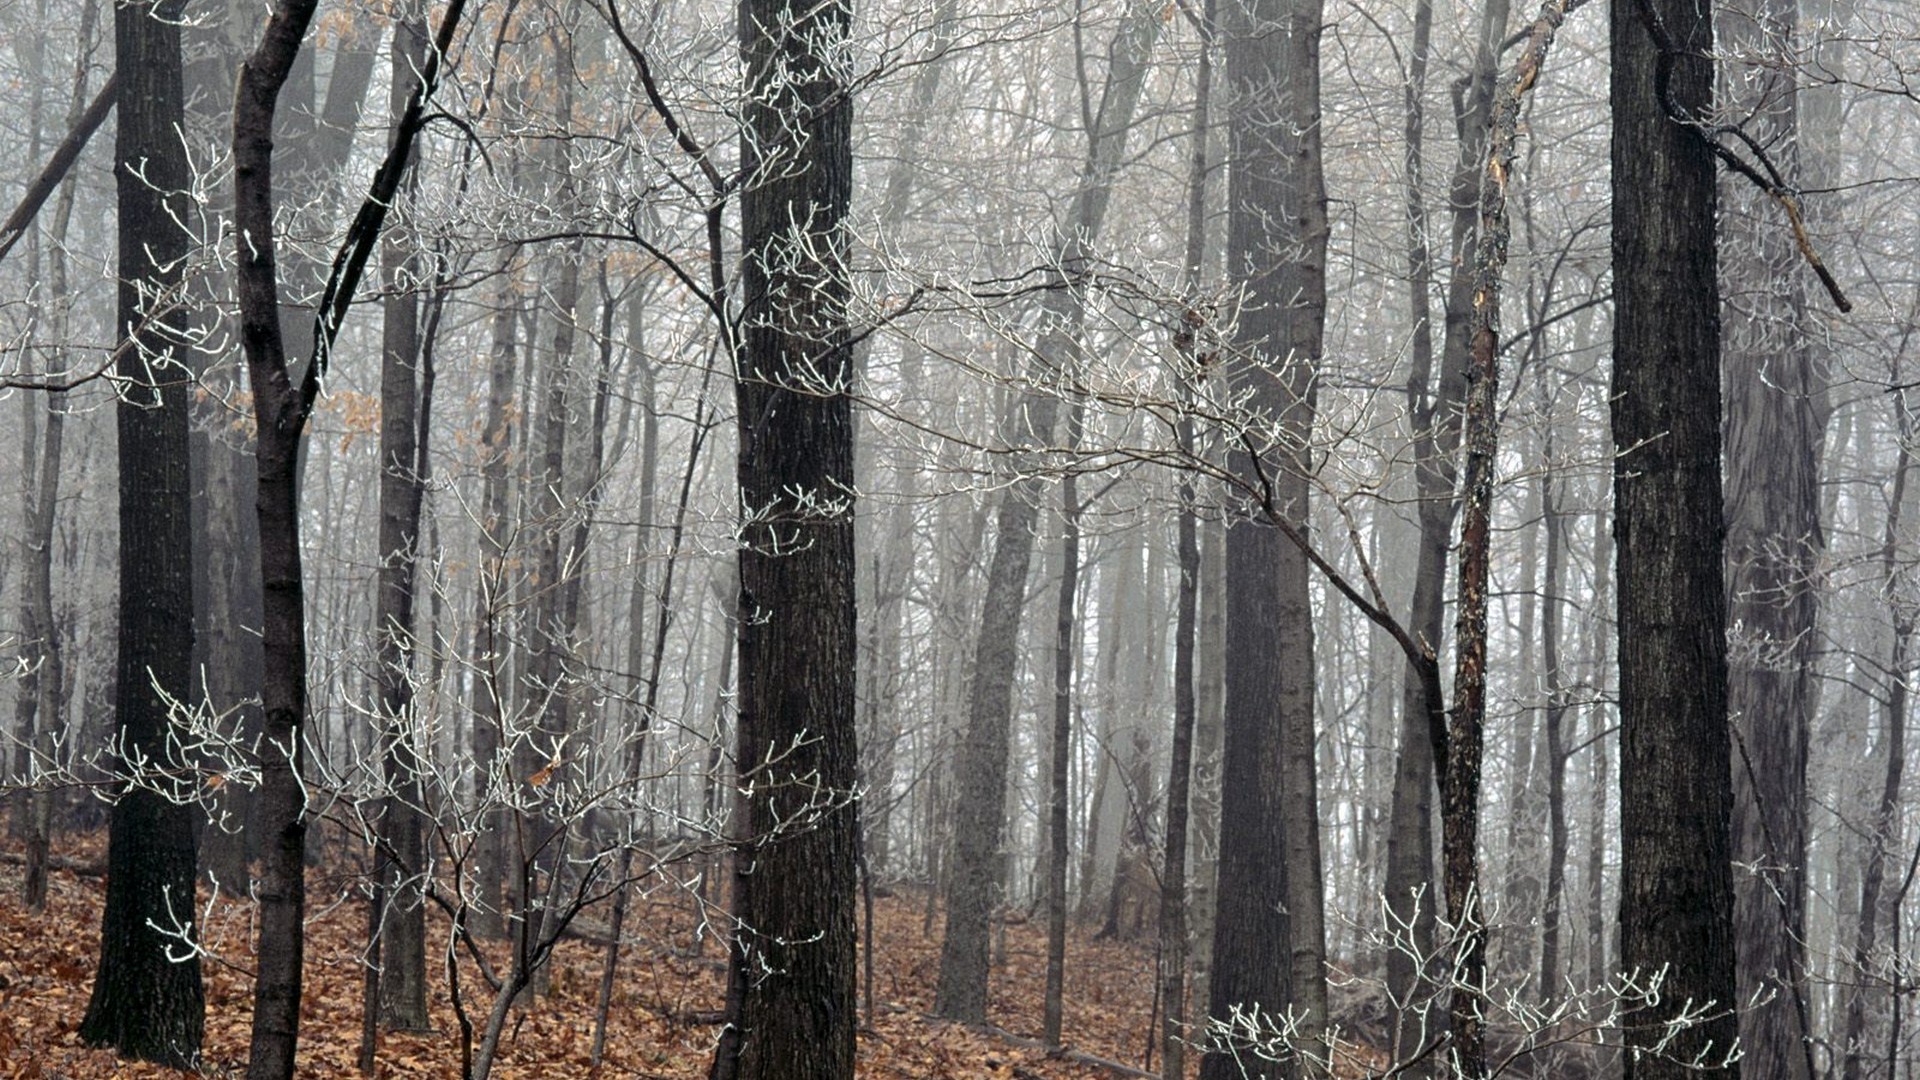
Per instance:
(493,691)
(981,771)
(1062,746)
(280,416)
(281,409)
(401,861)
(143,1003)
(1552,627)
(40,713)
(1676,904)
(1855,1047)
(1175,922)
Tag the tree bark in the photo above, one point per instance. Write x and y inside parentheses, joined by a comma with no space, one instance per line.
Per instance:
(401,860)
(1266,955)
(791,1001)
(1676,903)
(1053,1007)
(144,1004)
(1885,835)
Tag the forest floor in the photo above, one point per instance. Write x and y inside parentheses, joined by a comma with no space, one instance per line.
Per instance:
(662,1024)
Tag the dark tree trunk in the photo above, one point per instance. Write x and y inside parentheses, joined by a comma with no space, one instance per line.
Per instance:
(791,1002)
(1053,1009)
(281,408)
(280,415)
(1412,900)
(401,859)
(1175,924)
(1559,695)
(1267,954)
(144,1004)
(1676,897)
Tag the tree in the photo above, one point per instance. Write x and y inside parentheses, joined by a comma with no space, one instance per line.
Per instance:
(790,976)
(282,407)
(1676,902)
(1269,944)
(146,1003)
(1775,415)
(401,860)
(981,772)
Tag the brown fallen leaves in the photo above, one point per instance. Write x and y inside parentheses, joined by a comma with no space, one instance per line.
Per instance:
(661,1026)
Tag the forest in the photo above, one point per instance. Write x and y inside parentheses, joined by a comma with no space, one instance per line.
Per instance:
(1111,538)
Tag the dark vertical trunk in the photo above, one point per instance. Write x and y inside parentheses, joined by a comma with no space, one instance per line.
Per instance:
(981,771)
(144,1004)
(1601,930)
(1460,779)
(401,859)
(1774,392)
(1676,896)
(1175,924)
(1435,410)
(1559,696)
(1174,1033)
(280,415)
(1062,748)
(281,408)
(1269,955)
(790,997)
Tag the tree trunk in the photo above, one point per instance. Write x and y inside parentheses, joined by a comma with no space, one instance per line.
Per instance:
(1774,389)
(1175,921)
(791,999)
(1676,896)
(1062,747)
(401,860)
(144,1004)
(1885,834)
(1266,955)
(281,409)
(1412,901)
(494,699)
(981,771)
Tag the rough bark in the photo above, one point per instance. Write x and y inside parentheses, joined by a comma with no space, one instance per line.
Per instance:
(791,974)
(1266,955)
(143,1003)
(1676,903)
